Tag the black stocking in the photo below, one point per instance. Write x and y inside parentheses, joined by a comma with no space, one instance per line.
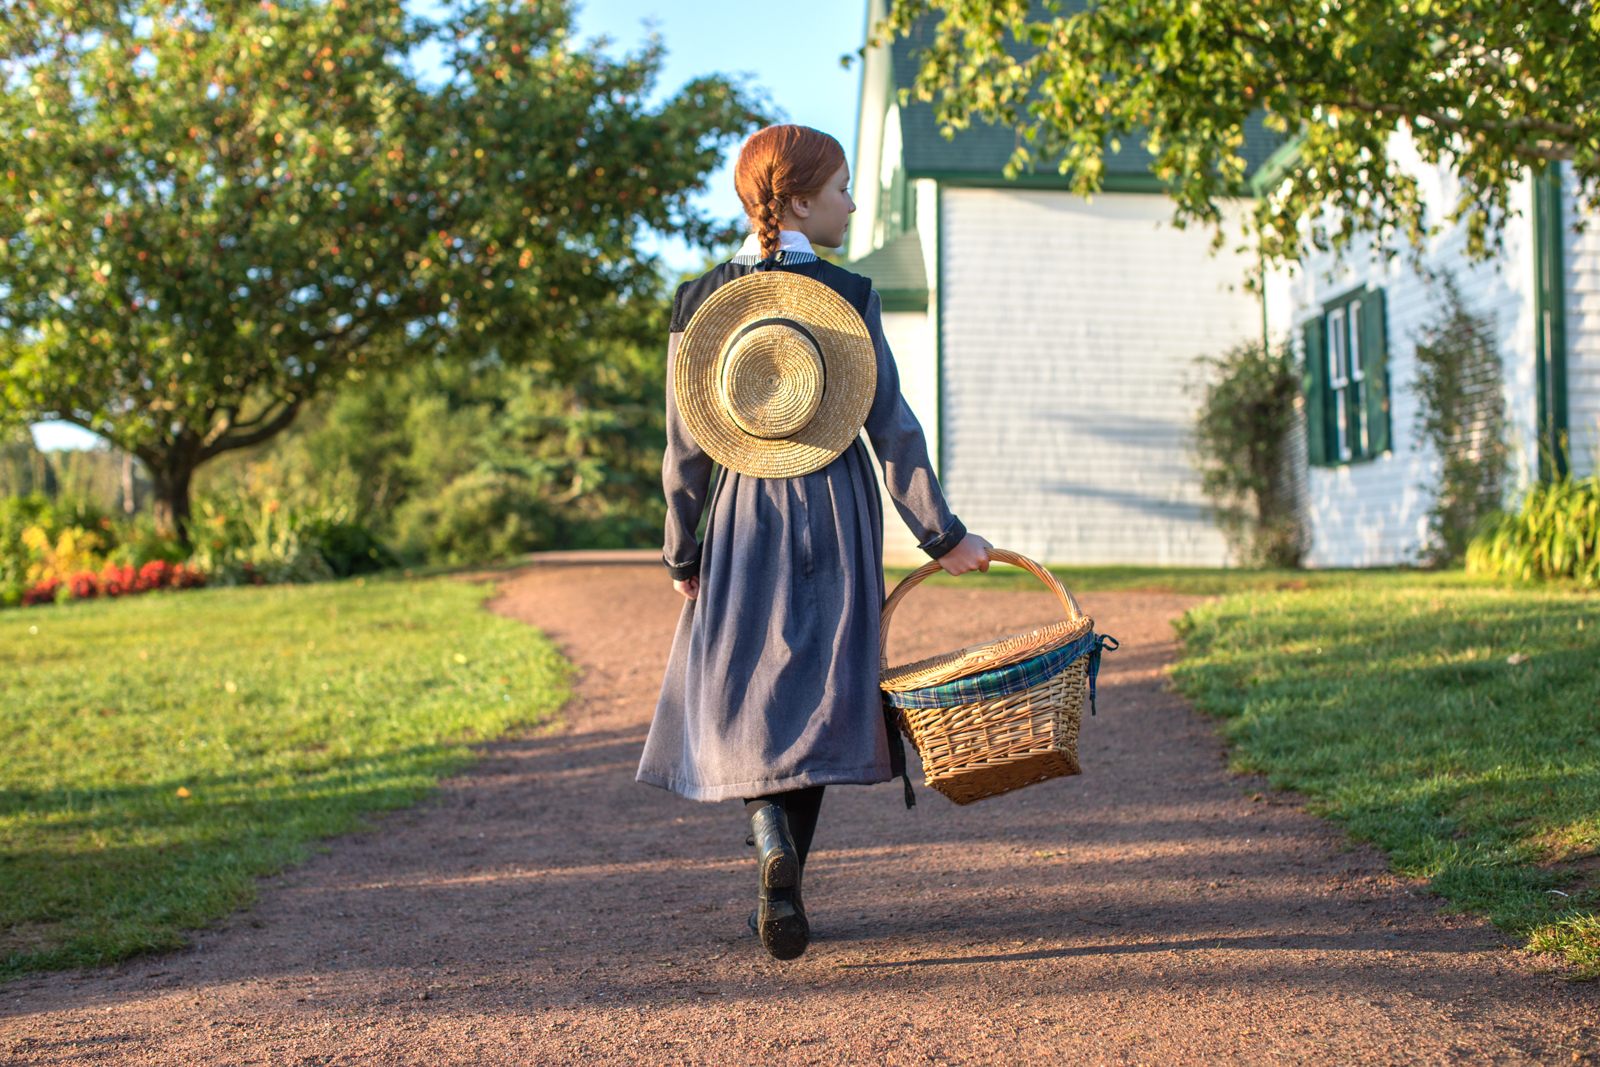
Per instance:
(801,806)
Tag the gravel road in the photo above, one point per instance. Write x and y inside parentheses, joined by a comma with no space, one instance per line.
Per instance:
(545,909)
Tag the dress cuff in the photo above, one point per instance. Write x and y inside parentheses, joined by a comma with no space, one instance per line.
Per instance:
(945,542)
(682,572)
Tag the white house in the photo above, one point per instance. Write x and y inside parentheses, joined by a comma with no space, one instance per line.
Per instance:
(1046,342)
(1370,477)
(1048,345)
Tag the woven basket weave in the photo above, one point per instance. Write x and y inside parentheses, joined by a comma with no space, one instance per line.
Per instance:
(984,749)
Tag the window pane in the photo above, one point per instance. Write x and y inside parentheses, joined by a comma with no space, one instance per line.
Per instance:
(1354,334)
(1358,420)
(1341,413)
(1338,350)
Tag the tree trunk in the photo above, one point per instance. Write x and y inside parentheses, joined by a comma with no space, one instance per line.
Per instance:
(130,502)
(170,500)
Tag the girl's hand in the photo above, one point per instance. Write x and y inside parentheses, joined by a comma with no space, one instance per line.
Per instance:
(690,588)
(972,554)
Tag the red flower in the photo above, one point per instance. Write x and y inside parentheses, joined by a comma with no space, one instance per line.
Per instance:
(157,574)
(118,581)
(43,592)
(182,577)
(84,585)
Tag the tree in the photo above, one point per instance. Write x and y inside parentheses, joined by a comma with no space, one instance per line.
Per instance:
(213,211)
(1492,89)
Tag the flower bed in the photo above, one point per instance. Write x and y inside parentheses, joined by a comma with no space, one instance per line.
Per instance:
(114,580)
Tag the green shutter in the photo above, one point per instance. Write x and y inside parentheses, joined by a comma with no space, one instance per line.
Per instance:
(1316,391)
(1550,323)
(1375,369)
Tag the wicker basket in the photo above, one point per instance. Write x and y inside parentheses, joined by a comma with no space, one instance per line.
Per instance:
(992,746)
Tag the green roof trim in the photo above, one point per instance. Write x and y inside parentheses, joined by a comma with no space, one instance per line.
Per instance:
(904,300)
(1278,166)
(898,273)
(979,154)
(1111,183)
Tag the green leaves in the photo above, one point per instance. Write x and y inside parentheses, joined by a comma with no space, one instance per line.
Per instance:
(1489,89)
(1241,433)
(1553,534)
(211,213)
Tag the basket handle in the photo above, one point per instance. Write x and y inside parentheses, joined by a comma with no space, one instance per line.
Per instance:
(927,570)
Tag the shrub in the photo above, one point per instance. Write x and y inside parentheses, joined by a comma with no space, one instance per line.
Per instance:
(141,542)
(159,574)
(50,551)
(482,515)
(1241,438)
(85,585)
(45,592)
(17,513)
(350,548)
(241,541)
(1554,534)
(113,580)
(457,464)
(41,539)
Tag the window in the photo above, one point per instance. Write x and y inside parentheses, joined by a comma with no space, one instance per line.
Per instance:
(1346,382)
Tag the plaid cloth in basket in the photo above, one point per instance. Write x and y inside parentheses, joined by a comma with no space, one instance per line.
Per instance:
(1013,679)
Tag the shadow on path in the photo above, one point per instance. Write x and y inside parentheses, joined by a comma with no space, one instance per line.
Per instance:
(547,909)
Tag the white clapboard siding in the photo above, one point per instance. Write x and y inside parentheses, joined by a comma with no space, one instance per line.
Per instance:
(1375,513)
(1069,330)
(910,337)
(1583,329)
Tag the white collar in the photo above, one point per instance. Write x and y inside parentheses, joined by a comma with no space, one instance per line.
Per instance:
(788,241)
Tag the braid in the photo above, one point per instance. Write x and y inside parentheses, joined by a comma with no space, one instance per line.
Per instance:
(768,225)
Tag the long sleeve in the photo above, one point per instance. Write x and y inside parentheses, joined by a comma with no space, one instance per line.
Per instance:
(686,480)
(902,449)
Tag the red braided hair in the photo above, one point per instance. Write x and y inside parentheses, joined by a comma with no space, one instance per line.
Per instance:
(779,164)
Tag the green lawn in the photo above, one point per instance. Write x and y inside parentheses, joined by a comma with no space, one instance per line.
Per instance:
(164,751)
(1392,704)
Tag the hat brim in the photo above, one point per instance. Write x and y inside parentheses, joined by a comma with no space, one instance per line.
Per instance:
(850,374)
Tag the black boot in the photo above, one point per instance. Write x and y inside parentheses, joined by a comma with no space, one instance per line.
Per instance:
(780,916)
(754,922)
(776,855)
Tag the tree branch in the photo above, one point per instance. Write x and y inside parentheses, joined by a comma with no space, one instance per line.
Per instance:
(85,424)
(227,444)
(223,425)
(1525,123)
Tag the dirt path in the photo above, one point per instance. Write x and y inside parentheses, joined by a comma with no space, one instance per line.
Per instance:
(549,910)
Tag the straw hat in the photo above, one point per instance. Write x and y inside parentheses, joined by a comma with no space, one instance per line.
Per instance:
(775,375)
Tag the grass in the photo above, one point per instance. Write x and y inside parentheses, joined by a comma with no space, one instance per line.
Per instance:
(163,752)
(1407,712)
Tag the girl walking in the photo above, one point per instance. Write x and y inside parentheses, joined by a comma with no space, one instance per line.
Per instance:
(771,693)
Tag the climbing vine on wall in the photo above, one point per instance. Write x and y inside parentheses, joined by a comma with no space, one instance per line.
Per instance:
(1461,416)
(1242,446)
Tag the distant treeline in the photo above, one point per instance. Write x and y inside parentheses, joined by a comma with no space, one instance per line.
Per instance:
(110,480)
(436,463)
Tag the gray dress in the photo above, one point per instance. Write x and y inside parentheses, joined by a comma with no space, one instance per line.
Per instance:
(773,680)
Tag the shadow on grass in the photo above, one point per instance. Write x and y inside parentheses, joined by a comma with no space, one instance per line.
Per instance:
(1455,728)
(130,867)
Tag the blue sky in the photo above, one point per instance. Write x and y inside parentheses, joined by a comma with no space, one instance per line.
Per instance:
(790,51)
